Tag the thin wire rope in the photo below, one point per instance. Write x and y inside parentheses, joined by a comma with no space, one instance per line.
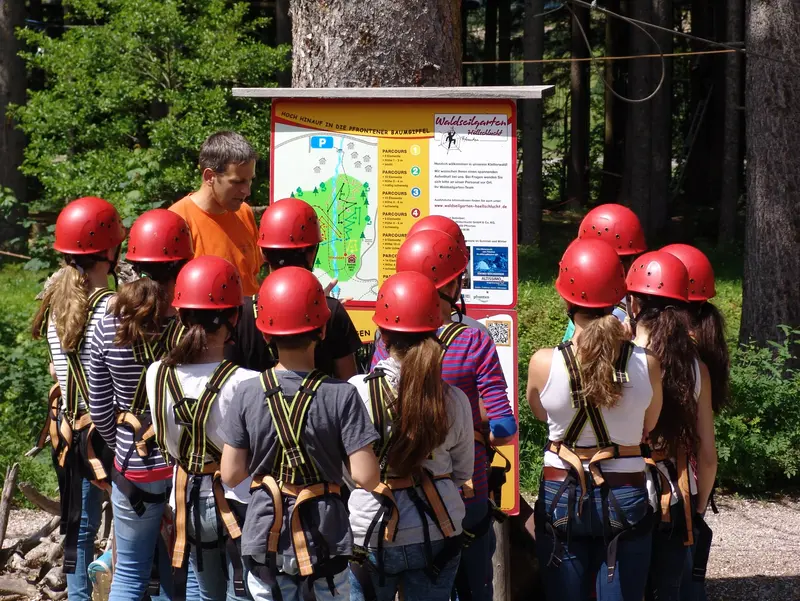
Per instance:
(602,75)
(599,58)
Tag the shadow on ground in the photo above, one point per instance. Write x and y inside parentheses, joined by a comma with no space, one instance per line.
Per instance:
(762,588)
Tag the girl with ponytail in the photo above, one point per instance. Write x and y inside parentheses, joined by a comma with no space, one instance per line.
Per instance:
(426,434)
(659,287)
(88,235)
(189,392)
(138,329)
(599,395)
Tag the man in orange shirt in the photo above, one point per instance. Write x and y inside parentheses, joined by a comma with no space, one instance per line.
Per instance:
(220,220)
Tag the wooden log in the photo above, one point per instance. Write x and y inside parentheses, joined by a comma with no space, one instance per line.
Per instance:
(39,555)
(51,506)
(55,595)
(15,586)
(502,562)
(55,579)
(25,545)
(5,499)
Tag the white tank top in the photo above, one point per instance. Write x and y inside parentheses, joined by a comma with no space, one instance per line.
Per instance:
(624,421)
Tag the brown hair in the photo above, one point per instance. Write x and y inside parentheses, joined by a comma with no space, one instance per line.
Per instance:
(140,305)
(667,321)
(421,403)
(198,323)
(68,301)
(225,148)
(598,349)
(708,326)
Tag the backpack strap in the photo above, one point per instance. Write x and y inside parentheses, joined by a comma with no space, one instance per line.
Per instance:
(77,383)
(449,333)
(585,411)
(382,399)
(292,464)
(145,353)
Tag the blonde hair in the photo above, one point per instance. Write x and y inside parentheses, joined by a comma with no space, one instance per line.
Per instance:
(598,349)
(68,301)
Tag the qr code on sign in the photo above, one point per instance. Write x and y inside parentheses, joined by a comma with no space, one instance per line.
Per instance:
(500,331)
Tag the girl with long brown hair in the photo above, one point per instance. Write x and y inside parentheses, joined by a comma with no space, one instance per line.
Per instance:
(409,527)
(88,234)
(599,395)
(138,329)
(658,284)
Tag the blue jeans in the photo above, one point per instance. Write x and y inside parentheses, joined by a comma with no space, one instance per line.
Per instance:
(291,591)
(136,538)
(212,582)
(584,551)
(407,564)
(79,587)
(476,569)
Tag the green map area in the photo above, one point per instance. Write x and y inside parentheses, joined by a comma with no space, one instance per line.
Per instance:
(342,204)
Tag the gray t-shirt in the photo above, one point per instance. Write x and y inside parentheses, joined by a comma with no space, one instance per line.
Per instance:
(337,425)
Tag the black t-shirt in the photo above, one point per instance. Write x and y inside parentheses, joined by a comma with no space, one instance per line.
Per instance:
(252,352)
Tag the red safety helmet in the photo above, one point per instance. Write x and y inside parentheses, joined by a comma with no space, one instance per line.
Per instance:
(408,302)
(208,282)
(88,225)
(291,301)
(159,236)
(442,224)
(591,275)
(701,274)
(659,273)
(433,254)
(617,225)
(289,223)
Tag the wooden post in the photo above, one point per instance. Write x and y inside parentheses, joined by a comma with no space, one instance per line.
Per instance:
(502,562)
(5,499)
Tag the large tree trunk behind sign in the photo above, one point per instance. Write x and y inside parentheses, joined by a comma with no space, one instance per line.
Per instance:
(12,90)
(369,43)
(772,246)
(532,192)
(578,172)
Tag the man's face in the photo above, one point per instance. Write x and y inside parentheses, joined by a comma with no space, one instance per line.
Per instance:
(232,188)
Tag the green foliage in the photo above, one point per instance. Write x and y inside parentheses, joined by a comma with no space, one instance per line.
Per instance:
(758,435)
(24,379)
(128,101)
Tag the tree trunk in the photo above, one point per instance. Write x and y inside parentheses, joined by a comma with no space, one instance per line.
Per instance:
(578,173)
(731,157)
(490,43)
(637,140)
(12,90)
(661,134)
(504,47)
(772,260)
(532,194)
(615,109)
(354,43)
(283,35)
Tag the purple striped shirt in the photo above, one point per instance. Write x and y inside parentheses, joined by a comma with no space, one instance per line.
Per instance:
(471,364)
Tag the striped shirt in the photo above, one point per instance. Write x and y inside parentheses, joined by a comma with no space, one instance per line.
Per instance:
(471,364)
(59,359)
(113,378)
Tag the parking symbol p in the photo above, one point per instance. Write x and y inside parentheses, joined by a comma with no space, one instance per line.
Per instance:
(322,142)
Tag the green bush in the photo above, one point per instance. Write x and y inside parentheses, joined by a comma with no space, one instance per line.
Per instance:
(24,380)
(758,435)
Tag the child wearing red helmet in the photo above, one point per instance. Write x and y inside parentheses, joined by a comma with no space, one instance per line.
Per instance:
(598,394)
(190,392)
(408,531)
(294,429)
(138,329)
(659,286)
(88,235)
(289,235)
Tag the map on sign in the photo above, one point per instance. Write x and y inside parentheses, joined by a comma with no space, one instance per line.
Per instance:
(337,175)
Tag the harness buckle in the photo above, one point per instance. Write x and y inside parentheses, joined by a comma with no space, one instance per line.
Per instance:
(185,401)
(211,388)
